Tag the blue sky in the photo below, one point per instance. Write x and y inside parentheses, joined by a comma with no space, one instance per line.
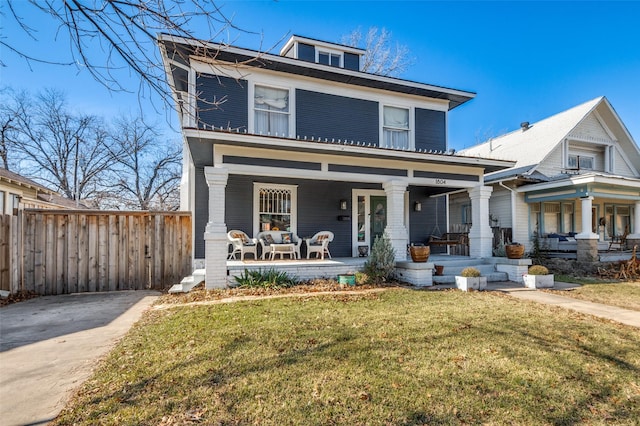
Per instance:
(525,60)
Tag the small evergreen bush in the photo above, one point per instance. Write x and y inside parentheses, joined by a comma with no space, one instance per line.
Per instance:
(470,272)
(382,260)
(271,279)
(538,270)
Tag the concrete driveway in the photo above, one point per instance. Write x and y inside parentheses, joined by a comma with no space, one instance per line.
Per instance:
(50,345)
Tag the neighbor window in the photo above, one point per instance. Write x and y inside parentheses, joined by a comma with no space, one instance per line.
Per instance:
(580,162)
(15,203)
(618,219)
(276,207)
(271,106)
(2,202)
(395,127)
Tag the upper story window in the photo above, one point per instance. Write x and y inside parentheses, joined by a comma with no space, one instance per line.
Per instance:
(580,162)
(271,106)
(330,58)
(395,127)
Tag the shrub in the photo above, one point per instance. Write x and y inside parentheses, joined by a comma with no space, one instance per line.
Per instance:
(382,260)
(470,272)
(538,270)
(265,279)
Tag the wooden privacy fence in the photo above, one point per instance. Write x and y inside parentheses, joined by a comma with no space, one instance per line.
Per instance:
(69,251)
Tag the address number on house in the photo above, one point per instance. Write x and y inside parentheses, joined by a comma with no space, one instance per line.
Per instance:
(441,181)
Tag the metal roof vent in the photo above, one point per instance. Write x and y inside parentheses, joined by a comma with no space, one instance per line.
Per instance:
(525,126)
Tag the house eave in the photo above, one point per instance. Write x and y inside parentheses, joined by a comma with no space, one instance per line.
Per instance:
(587,179)
(233,56)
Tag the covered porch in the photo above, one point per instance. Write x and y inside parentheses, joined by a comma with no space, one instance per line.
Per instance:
(418,274)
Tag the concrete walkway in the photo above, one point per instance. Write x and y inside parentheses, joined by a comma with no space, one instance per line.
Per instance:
(621,315)
(49,346)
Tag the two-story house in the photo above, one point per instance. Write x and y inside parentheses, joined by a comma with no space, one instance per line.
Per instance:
(576,178)
(304,141)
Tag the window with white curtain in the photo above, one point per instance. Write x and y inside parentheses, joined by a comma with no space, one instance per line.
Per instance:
(271,106)
(395,127)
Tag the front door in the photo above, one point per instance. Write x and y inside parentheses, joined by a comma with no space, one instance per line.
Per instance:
(370,219)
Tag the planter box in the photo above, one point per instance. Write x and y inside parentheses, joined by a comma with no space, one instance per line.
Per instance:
(471,283)
(538,281)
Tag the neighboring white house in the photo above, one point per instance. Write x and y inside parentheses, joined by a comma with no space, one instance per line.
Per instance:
(576,177)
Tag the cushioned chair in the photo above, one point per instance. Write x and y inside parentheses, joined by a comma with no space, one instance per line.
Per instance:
(319,244)
(242,244)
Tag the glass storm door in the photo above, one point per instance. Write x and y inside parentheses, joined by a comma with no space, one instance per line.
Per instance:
(370,219)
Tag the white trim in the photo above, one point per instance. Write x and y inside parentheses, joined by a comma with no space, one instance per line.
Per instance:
(367,193)
(295,40)
(325,174)
(458,164)
(329,52)
(256,202)
(411,124)
(251,104)
(606,128)
(581,180)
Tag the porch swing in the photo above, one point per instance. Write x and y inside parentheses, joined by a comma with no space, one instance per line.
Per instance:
(437,238)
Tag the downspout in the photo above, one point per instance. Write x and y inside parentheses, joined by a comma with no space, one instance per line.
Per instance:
(513,208)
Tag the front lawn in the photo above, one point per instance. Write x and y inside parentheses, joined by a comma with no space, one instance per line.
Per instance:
(399,357)
(622,294)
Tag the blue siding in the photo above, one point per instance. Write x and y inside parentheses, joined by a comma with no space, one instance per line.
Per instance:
(452,176)
(431,130)
(232,95)
(320,115)
(306,52)
(351,61)
(422,224)
(367,170)
(269,162)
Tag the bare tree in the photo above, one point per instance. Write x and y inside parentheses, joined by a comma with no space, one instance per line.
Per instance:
(109,37)
(8,136)
(381,57)
(146,170)
(65,151)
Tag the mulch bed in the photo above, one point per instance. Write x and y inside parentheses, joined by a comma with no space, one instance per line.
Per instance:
(17,297)
(200,294)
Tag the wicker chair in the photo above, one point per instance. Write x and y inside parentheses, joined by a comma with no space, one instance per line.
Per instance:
(319,244)
(242,244)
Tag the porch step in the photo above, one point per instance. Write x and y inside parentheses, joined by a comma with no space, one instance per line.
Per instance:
(188,283)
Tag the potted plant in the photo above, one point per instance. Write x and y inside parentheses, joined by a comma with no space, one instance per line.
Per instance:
(419,252)
(538,276)
(514,250)
(471,279)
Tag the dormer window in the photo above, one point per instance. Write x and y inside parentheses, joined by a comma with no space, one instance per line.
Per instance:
(329,58)
(580,162)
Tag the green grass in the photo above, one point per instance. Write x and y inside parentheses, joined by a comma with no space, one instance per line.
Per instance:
(622,294)
(399,357)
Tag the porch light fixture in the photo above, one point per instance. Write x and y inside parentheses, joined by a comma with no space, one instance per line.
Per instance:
(343,204)
(417,206)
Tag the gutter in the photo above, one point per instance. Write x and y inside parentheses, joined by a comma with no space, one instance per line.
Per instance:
(513,208)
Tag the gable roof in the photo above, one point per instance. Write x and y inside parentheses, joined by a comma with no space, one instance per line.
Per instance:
(530,145)
(11,177)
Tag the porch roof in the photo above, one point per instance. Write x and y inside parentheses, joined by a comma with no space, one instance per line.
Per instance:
(577,186)
(201,144)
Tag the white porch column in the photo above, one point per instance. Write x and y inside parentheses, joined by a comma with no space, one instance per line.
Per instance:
(585,231)
(395,229)
(480,235)
(636,223)
(215,234)
(587,240)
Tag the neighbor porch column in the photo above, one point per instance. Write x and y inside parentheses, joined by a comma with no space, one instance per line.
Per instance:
(587,240)
(634,238)
(215,234)
(480,235)
(395,230)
